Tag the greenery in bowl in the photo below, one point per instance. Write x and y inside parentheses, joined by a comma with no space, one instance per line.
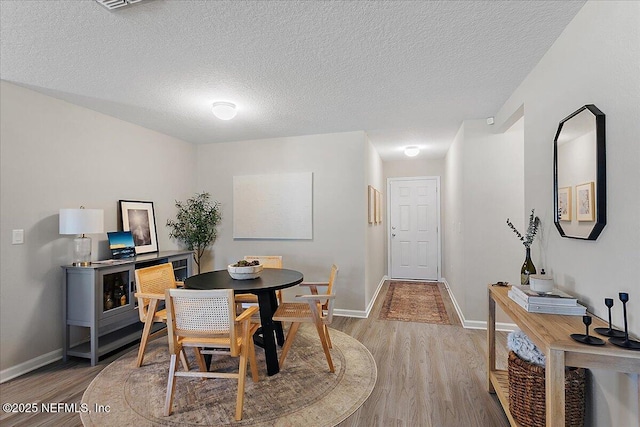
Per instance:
(245,263)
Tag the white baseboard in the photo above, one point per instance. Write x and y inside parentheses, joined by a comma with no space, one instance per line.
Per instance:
(507,327)
(359,313)
(475,324)
(30,365)
(455,304)
(375,295)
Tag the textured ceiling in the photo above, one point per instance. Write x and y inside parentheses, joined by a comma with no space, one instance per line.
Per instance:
(407,73)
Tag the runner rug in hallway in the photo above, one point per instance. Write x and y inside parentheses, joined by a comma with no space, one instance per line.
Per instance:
(414,302)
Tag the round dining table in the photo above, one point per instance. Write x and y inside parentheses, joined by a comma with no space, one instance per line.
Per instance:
(264,287)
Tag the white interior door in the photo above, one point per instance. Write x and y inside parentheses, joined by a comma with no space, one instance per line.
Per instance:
(414,222)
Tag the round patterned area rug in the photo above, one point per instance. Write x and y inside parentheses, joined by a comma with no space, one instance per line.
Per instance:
(303,393)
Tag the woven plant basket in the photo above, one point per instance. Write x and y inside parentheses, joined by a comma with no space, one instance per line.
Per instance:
(527,393)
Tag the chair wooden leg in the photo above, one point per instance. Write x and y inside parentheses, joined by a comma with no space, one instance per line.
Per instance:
(325,346)
(287,342)
(151,310)
(252,361)
(241,380)
(170,386)
(201,364)
(184,361)
(326,334)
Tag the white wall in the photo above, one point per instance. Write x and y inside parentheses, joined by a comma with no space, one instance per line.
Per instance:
(338,163)
(452,207)
(376,266)
(414,167)
(493,192)
(57,155)
(485,175)
(594,61)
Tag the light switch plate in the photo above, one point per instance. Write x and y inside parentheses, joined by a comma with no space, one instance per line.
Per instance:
(17,237)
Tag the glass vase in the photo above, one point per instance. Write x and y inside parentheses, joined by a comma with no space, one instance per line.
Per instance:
(527,268)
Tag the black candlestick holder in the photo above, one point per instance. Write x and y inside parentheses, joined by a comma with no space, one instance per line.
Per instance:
(586,338)
(609,332)
(625,342)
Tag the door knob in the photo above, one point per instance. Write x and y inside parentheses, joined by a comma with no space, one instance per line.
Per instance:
(393,235)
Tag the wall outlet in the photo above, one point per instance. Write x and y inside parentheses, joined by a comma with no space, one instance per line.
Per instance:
(17,237)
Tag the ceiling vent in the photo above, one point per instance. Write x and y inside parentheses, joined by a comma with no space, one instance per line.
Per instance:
(115,4)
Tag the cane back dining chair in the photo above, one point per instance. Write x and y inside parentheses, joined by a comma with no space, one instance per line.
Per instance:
(207,318)
(314,308)
(151,283)
(267,261)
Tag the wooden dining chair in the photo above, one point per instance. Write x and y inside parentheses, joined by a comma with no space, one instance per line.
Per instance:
(315,308)
(267,261)
(151,284)
(207,318)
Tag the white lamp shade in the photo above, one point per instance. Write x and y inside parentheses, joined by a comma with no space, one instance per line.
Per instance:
(224,110)
(81,221)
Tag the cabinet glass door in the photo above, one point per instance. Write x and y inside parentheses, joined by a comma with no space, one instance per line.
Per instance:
(180,269)
(115,290)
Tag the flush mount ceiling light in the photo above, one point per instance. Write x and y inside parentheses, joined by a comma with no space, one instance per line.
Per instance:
(224,110)
(411,151)
(115,4)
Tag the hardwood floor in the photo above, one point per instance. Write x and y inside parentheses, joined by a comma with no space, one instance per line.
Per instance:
(428,375)
(59,382)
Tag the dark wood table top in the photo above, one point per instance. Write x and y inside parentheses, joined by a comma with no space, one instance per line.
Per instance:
(265,286)
(270,279)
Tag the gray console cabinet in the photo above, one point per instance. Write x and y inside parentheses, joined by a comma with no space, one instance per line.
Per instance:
(100,299)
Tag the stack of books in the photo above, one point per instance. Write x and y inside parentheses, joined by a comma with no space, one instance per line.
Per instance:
(554,302)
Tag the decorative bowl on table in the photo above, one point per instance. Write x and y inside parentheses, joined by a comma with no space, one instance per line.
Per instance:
(244,270)
(541,283)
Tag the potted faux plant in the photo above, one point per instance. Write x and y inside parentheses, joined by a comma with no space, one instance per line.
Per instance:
(195,224)
(527,267)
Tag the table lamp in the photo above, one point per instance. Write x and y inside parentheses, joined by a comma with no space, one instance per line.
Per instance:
(81,221)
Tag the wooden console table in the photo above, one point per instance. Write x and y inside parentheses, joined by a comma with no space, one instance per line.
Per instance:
(550,332)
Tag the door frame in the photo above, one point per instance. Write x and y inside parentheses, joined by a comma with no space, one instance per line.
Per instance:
(388,222)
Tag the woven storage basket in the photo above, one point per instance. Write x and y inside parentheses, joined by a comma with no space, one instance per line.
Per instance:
(527,393)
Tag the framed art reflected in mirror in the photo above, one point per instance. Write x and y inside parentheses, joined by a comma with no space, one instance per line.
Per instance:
(564,204)
(584,199)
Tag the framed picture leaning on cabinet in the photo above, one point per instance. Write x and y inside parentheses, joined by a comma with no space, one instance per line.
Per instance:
(139,218)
